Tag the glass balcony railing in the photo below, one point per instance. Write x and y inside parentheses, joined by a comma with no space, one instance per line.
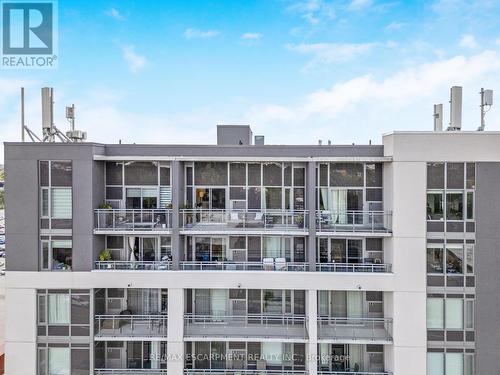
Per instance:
(132,219)
(276,264)
(354,267)
(247,326)
(130,371)
(354,221)
(269,220)
(133,265)
(130,325)
(377,330)
(242,372)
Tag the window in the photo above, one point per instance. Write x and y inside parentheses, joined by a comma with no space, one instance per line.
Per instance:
(374,175)
(141,173)
(272,174)
(59,361)
(272,353)
(59,309)
(454,363)
(469,314)
(45,202)
(470,205)
(454,258)
(61,203)
(346,174)
(210,173)
(454,206)
(435,313)
(455,175)
(114,173)
(273,198)
(56,255)
(435,206)
(238,174)
(42,309)
(435,259)
(435,363)
(470,178)
(470,258)
(454,313)
(435,176)
(469,364)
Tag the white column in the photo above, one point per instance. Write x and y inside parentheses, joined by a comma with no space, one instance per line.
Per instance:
(175,346)
(312,327)
(20,331)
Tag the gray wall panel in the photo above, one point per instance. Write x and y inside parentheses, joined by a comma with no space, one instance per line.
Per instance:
(487,252)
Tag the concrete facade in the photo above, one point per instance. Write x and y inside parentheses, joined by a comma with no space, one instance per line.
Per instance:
(405,285)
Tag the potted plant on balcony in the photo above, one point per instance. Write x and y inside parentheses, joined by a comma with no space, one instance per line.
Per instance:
(105,256)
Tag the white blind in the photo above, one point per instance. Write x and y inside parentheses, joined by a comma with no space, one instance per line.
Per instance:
(435,363)
(454,313)
(435,313)
(165,196)
(61,203)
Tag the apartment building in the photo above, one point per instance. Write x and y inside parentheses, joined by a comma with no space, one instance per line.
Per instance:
(243,258)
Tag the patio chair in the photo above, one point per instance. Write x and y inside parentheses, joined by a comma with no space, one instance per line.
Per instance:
(280,264)
(268,264)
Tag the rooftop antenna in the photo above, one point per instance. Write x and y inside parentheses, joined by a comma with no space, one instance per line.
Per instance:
(74,135)
(438,117)
(50,133)
(486,101)
(455,108)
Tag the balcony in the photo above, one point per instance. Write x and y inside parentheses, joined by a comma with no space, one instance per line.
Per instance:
(130,371)
(354,267)
(369,330)
(354,221)
(248,326)
(244,372)
(111,326)
(268,264)
(244,220)
(132,220)
(132,265)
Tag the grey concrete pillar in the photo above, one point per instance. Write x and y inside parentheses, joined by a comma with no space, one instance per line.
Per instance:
(311,207)
(177,188)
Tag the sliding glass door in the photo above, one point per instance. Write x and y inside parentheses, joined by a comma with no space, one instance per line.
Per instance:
(211,198)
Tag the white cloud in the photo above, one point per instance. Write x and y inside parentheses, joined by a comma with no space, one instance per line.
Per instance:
(200,34)
(394,26)
(313,11)
(356,5)
(330,53)
(401,90)
(468,41)
(251,36)
(135,61)
(114,13)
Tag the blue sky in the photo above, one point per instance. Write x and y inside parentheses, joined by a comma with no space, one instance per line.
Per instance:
(296,70)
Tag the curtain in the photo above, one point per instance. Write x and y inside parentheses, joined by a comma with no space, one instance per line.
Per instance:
(435,363)
(272,352)
(272,247)
(155,354)
(61,203)
(435,313)
(202,302)
(454,364)
(131,244)
(356,357)
(59,361)
(323,302)
(338,203)
(218,302)
(354,304)
(59,308)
